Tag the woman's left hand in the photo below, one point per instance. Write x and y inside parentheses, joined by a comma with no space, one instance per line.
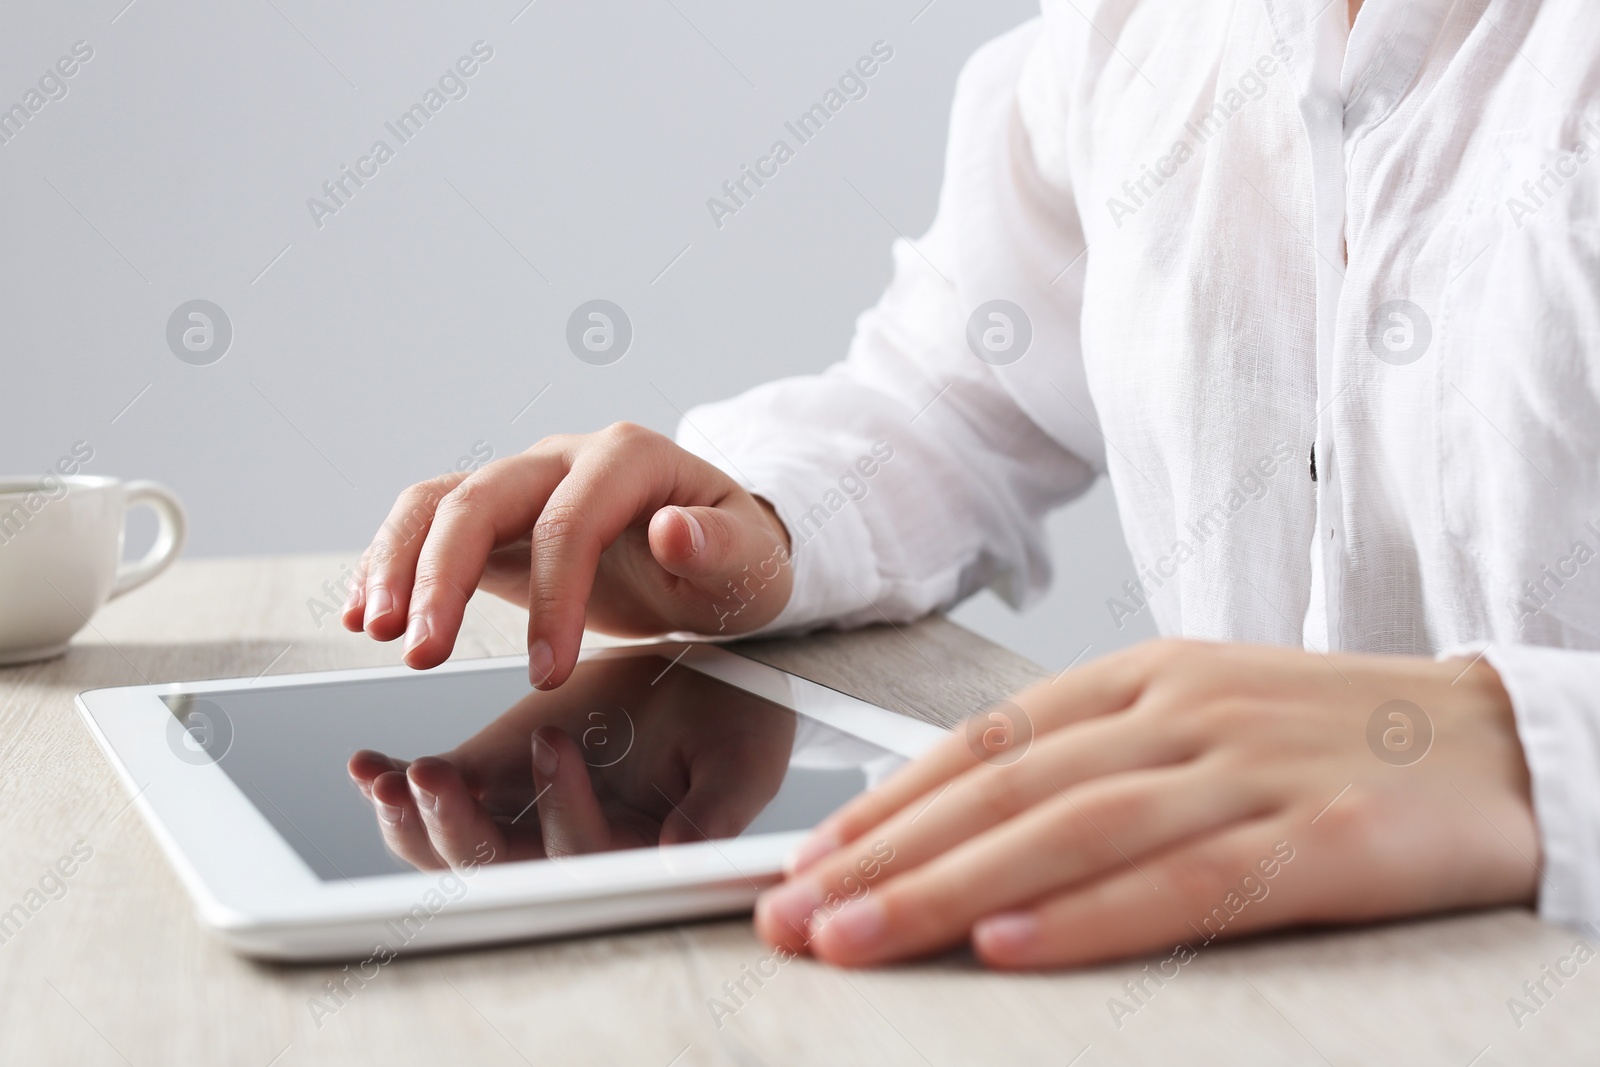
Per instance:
(1175,793)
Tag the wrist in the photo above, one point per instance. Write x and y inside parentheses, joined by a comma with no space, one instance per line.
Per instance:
(1474,685)
(1476,697)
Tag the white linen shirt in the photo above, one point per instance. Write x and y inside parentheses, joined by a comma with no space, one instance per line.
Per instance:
(1230,232)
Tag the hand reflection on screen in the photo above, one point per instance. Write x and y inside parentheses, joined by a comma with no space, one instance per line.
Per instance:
(621,756)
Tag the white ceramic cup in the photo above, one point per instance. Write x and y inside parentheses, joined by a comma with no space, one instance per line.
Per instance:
(61,555)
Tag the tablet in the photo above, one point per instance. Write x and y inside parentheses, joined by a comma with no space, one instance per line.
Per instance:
(683,775)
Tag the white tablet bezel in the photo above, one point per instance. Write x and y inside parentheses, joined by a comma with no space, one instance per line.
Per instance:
(248,881)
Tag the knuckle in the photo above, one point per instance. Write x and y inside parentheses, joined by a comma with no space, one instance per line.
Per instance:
(489,470)
(1209,722)
(999,792)
(1185,673)
(1181,723)
(405,530)
(554,443)
(1202,876)
(1356,819)
(1149,665)
(559,526)
(907,910)
(425,589)
(430,581)
(379,556)
(1116,810)
(413,512)
(425,493)
(464,499)
(1229,718)
(629,435)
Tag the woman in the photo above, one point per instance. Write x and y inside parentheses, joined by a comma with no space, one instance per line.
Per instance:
(1317,291)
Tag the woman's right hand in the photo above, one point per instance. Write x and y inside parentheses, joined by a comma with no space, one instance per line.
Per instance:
(620,530)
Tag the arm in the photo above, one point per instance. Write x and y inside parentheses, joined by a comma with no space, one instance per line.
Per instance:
(910,475)
(625,532)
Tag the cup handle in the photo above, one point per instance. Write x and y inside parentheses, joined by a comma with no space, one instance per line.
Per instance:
(171,533)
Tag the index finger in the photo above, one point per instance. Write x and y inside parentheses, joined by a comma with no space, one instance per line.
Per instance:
(494,505)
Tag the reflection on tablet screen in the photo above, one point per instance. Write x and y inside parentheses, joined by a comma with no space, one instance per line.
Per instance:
(631,752)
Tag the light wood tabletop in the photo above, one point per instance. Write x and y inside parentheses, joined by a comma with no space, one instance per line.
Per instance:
(112,967)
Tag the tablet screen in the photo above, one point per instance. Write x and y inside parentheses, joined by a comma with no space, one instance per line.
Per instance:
(632,752)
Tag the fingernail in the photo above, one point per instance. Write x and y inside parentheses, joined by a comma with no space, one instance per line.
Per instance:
(545,758)
(428,802)
(858,924)
(697,536)
(379,604)
(1008,934)
(819,844)
(790,907)
(416,633)
(541,662)
(388,813)
(352,600)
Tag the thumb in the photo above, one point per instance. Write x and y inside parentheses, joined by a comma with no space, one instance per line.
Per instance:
(729,785)
(701,544)
(728,559)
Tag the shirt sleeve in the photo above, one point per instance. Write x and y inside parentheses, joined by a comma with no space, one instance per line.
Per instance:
(909,475)
(1555,694)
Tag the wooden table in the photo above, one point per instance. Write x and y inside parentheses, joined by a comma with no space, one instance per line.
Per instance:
(114,968)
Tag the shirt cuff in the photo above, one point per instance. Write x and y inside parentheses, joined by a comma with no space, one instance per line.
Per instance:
(1554,695)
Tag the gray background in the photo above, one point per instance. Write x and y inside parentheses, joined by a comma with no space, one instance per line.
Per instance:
(415,323)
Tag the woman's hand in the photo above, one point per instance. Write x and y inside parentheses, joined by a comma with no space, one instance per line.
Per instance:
(1177,792)
(621,528)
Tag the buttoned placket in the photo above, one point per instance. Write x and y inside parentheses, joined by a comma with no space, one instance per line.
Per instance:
(1350,78)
